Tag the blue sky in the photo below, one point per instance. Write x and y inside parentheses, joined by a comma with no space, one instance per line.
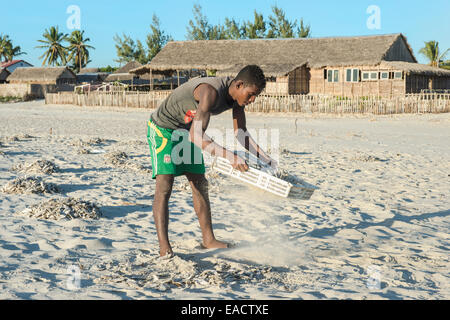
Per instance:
(25,21)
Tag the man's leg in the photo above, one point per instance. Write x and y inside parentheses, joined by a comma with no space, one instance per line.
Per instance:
(163,191)
(199,186)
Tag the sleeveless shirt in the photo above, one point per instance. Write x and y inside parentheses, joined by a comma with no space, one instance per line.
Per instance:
(177,111)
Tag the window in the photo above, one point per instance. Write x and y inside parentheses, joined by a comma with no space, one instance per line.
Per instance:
(398,75)
(355,75)
(369,75)
(384,75)
(336,75)
(352,75)
(333,75)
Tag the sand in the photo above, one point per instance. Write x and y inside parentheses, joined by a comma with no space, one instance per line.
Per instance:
(376,228)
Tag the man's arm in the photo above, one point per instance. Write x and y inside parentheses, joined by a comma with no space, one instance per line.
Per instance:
(206,96)
(245,139)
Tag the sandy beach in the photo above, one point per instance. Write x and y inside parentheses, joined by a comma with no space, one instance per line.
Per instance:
(377,227)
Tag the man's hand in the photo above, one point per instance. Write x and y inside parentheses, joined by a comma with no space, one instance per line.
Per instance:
(239,164)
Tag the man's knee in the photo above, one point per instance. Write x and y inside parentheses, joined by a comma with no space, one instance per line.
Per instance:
(164,185)
(199,183)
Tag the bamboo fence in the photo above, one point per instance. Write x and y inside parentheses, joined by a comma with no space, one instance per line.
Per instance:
(409,103)
(128,99)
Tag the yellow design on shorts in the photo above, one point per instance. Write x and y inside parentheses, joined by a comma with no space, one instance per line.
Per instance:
(158,132)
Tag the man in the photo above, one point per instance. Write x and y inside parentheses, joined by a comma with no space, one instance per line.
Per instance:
(185,116)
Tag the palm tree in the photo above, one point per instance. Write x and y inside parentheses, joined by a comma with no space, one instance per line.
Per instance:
(55,52)
(14,52)
(4,45)
(78,49)
(432,52)
(7,50)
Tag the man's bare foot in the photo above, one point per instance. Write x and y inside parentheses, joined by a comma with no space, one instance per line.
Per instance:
(166,252)
(214,244)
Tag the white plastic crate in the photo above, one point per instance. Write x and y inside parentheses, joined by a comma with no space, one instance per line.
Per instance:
(265,181)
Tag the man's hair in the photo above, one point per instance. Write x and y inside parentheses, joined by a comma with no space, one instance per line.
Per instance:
(252,75)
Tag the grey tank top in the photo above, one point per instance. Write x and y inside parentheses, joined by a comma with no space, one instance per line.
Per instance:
(178,110)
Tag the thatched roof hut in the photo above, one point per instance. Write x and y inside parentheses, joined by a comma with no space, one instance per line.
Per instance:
(88,70)
(123,73)
(364,65)
(276,57)
(415,68)
(44,75)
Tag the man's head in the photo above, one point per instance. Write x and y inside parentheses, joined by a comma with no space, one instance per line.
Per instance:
(248,84)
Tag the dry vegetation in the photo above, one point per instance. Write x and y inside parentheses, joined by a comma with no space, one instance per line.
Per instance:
(68,208)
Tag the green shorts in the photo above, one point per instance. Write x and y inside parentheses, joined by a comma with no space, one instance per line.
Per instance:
(172,152)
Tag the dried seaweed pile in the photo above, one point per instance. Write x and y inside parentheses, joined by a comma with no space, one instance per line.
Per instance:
(133,143)
(39,166)
(164,274)
(117,158)
(215,180)
(367,158)
(83,145)
(88,143)
(16,138)
(286,176)
(69,208)
(29,185)
(120,159)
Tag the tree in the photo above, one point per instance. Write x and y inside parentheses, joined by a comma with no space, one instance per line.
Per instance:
(232,30)
(78,50)
(7,50)
(279,25)
(3,46)
(156,40)
(303,31)
(107,69)
(56,53)
(445,65)
(127,49)
(131,50)
(432,53)
(200,29)
(14,52)
(255,29)
(140,54)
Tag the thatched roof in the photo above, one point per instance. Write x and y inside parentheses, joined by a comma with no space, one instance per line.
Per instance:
(120,77)
(271,70)
(275,56)
(47,74)
(88,70)
(91,77)
(415,68)
(123,74)
(129,66)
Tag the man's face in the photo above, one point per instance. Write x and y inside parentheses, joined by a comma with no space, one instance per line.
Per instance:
(246,94)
